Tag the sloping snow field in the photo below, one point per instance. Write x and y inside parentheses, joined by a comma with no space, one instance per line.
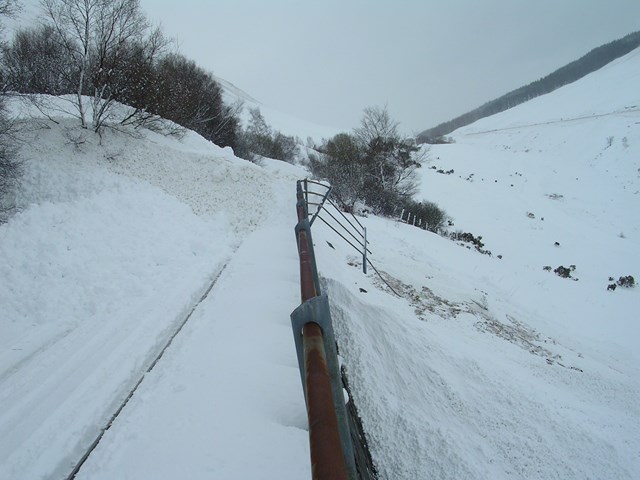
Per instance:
(483,367)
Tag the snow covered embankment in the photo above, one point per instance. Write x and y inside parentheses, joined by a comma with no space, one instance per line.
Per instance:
(493,367)
(98,269)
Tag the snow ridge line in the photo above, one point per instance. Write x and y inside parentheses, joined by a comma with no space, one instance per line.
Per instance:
(155,361)
(561,120)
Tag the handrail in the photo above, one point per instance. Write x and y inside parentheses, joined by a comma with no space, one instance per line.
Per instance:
(329,442)
(324,196)
(361,232)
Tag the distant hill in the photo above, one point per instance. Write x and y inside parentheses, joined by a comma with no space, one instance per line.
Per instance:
(592,61)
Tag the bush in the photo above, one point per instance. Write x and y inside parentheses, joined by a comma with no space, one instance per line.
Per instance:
(190,96)
(563,272)
(428,214)
(258,139)
(374,164)
(106,51)
(35,62)
(282,147)
(468,237)
(626,282)
(347,178)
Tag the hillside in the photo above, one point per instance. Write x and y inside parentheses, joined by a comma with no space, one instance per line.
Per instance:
(279,121)
(514,371)
(483,367)
(592,61)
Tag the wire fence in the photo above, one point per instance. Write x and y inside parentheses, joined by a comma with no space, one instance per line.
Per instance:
(344,224)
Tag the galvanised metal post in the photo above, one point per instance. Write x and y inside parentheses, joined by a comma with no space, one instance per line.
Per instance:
(364,253)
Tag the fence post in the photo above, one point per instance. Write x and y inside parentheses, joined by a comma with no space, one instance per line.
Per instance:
(364,252)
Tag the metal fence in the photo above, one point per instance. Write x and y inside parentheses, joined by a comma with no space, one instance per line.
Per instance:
(337,444)
(346,226)
(349,229)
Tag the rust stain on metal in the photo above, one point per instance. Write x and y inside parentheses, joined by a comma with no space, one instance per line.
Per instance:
(327,460)
(307,285)
(302,214)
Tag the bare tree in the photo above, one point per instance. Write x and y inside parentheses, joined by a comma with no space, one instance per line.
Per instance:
(8,8)
(191,97)
(139,82)
(95,34)
(9,165)
(35,62)
(390,160)
(376,128)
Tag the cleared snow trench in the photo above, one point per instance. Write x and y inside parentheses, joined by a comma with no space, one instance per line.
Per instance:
(153,363)
(226,402)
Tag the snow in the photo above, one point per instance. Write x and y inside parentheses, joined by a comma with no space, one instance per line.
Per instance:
(278,120)
(231,385)
(497,368)
(82,270)
(481,368)
(466,391)
(582,192)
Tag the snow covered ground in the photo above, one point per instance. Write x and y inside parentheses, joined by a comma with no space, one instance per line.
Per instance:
(278,120)
(482,368)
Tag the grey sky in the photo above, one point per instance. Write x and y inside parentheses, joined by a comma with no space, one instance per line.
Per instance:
(427,60)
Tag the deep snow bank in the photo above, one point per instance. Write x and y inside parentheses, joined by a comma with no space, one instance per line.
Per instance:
(457,380)
(113,242)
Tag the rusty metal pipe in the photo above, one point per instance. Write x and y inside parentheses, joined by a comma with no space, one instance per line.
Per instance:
(302,212)
(307,283)
(327,459)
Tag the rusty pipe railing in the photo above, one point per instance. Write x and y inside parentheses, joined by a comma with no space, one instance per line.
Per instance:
(330,446)
(308,288)
(327,458)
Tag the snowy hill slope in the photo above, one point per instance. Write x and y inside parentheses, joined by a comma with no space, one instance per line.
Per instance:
(482,368)
(276,119)
(498,368)
(571,160)
(115,242)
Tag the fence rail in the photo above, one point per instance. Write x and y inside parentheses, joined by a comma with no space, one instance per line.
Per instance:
(335,431)
(329,442)
(358,234)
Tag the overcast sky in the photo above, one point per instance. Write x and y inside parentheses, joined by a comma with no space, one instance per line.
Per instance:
(426,60)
